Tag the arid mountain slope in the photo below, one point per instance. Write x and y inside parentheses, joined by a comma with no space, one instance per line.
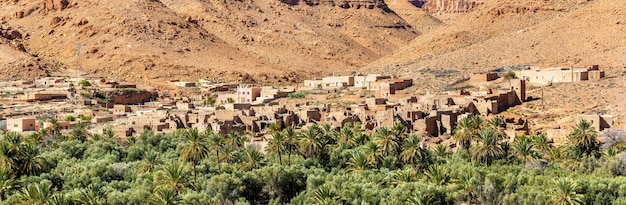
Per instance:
(516,32)
(146,40)
(416,17)
(131,40)
(306,35)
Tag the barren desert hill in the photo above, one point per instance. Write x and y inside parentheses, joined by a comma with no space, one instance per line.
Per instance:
(518,32)
(134,40)
(308,35)
(147,41)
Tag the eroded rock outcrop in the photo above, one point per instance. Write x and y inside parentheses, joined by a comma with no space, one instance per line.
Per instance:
(447,6)
(48,5)
(369,4)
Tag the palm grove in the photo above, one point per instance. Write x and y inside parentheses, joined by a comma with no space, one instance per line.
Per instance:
(316,165)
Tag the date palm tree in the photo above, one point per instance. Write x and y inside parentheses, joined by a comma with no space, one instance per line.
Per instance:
(92,195)
(441,151)
(464,133)
(325,195)
(7,157)
(150,160)
(346,136)
(358,162)
(437,174)
(251,159)
(36,193)
(387,141)
(374,153)
(413,152)
(523,150)
(59,199)
(399,131)
(541,143)
(164,196)
(584,137)
(54,127)
(30,162)
(565,192)
(79,132)
(309,143)
(290,142)
(172,176)
(7,183)
(277,145)
(195,148)
(496,123)
(217,143)
(487,150)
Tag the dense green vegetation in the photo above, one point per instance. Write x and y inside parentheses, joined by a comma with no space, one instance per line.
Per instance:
(317,165)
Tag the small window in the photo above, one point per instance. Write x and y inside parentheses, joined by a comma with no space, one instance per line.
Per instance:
(14,125)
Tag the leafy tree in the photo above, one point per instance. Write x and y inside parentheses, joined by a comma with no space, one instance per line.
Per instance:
(464,133)
(251,159)
(487,149)
(277,145)
(584,137)
(7,183)
(194,149)
(325,195)
(413,153)
(164,196)
(36,193)
(387,141)
(217,143)
(172,176)
(309,143)
(565,192)
(358,162)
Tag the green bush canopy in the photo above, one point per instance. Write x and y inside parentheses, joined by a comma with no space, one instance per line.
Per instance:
(317,165)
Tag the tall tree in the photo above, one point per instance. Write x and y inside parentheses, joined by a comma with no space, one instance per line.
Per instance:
(309,143)
(387,141)
(172,176)
(277,145)
(290,142)
(584,137)
(36,193)
(7,183)
(413,153)
(464,133)
(487,150)
(251,159)
(358,162)
(217,143)
(195,149)
(541,143)
(565,192)
(523,150)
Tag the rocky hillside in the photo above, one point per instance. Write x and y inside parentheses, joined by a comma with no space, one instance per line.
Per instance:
(517,32)
(447,6)
(261,40)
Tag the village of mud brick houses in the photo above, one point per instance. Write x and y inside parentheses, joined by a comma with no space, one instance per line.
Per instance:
(241,108)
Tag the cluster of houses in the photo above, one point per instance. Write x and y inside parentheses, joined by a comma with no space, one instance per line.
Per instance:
(252,109)
(560,74)
(382,85)
(430,114)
